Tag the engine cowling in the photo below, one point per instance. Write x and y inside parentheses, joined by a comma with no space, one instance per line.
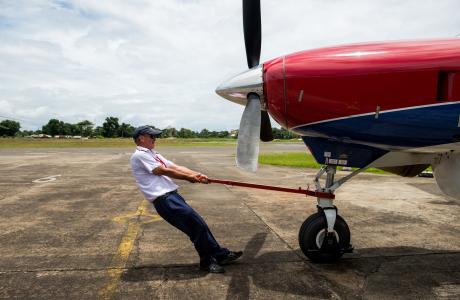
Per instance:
(447,174)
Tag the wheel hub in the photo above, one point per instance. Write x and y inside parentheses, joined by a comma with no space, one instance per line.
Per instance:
(321,235)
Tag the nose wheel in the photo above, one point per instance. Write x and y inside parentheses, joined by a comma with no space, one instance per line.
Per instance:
(324,237)
(321,245)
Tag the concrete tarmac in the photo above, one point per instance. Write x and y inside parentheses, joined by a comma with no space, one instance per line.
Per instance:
(75,226)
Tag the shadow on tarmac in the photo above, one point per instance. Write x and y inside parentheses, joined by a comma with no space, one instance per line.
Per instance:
(402,268)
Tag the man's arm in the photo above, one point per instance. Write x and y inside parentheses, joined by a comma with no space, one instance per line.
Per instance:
(181,169)
(178,173)
(203,178)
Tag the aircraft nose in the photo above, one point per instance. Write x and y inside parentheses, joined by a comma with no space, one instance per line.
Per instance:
(238,87)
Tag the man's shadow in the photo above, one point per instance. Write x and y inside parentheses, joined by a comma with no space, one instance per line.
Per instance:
(187,271)
(289,273)
(265,270)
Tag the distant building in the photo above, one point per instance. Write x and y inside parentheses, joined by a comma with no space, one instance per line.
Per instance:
(233,133)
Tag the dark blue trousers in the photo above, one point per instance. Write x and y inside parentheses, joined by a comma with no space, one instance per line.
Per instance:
(173,208)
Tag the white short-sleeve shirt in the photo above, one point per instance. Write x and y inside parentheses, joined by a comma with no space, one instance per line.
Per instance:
(143,162)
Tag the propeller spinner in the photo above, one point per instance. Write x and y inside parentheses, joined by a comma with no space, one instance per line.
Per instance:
(247,89)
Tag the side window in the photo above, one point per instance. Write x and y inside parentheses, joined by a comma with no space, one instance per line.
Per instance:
(448,86)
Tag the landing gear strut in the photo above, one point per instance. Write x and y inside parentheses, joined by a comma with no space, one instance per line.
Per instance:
(325,236)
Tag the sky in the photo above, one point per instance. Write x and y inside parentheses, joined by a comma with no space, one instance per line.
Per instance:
(158,62)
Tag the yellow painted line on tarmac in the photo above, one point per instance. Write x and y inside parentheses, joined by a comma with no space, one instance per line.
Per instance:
(134,220)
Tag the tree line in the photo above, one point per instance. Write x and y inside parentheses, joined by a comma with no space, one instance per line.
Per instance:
(112,128)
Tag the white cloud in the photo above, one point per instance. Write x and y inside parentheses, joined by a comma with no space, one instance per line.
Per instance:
(158,62)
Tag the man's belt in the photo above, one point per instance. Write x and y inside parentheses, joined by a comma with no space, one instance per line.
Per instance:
(164,196)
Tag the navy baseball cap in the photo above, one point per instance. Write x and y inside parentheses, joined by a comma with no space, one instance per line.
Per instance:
(145,130)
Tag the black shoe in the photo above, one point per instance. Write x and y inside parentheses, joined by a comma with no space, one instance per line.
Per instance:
(231,257)
(213,267)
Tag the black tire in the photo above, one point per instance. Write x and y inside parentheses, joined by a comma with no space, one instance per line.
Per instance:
(310,235)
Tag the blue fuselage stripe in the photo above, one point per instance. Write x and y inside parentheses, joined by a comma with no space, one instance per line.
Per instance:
(416,127)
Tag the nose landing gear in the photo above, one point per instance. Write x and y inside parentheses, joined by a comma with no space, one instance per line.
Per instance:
(321,245)
(324,236)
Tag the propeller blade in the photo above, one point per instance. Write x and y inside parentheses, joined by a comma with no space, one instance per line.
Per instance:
(252,31)
(247,151)
(266,134)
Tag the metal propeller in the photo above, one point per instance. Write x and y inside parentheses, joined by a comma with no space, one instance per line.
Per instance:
(254,122)
(247,151)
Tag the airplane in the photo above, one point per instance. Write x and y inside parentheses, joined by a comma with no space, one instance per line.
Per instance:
(388,105)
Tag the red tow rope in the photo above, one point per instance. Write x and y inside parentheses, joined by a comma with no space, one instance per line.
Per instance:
(306,192)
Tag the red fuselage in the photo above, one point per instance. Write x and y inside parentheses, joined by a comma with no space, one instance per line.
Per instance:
(325,84)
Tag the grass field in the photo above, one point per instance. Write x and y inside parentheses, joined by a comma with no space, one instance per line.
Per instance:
(9,143)
(299,160)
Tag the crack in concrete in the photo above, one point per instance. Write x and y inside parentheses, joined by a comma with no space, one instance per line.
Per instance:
(140,235)
(366,276)
(401,255)
(375,270)
(178,266)
(266,225)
